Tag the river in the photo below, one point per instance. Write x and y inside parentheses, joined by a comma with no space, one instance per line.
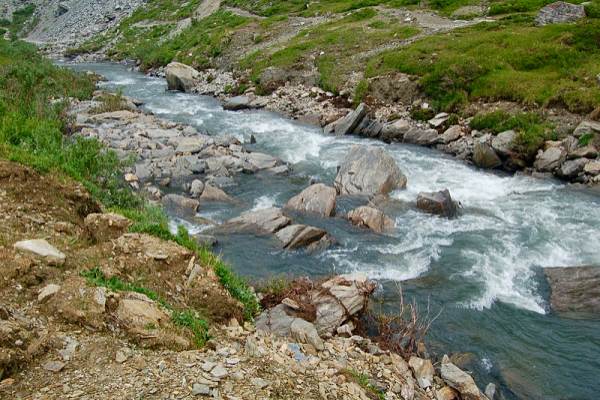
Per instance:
(483,269)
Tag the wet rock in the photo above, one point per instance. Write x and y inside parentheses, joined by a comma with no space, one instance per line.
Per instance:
(180,76)
(559,13)
(423,371)
(439,203)
(298,236)
(238,103)
(318,199)
(574,289)
(395,131)
(586,127)
(105,227)
(502,143)
(268,220)
(484,156)
(344,296)
(196,188)
(368,170)
(42,249)
(451,134)
(423,137)
(550,159)
(571,168)
(48,291)
(180,204)
(461,381)
(372,218)
(213,193)
(261,161)
(490,391)
(346,125)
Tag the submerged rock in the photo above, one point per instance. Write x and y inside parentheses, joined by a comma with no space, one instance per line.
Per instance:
(574,289)
(439,203)
(180,76)
(371,218)
(318,199)
(368,171)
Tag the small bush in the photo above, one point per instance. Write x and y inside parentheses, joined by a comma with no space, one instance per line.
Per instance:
(421,114)
(190,320)
(592,9)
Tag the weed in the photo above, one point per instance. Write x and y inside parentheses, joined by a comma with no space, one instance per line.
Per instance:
(363,381)
(190,320)
(586,139)
(109,102)
(359,93)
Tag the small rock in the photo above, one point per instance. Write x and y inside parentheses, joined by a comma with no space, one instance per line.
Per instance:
(423,370)
(196,188)
(121,356)
(199,389)
(42,248)
(54,366)
(259,383)
(219,372)
(48,291)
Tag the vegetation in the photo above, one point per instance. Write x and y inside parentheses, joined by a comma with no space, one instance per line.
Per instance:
(586,139)
(19,20)
(109,102)
(184,318)
(506,60)
(363,381)
(33,123)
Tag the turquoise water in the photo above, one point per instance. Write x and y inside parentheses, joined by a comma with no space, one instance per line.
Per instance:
(483,270)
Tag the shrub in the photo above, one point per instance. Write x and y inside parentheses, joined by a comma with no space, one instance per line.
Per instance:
(586,139)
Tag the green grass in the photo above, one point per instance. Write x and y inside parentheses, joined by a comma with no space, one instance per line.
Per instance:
(332,46)
(32,132)
(363,381)
(586,139)
(506,60)
(182,318)
(19,20)
(531,128)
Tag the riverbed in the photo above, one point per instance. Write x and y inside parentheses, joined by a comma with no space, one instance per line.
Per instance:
(482,270)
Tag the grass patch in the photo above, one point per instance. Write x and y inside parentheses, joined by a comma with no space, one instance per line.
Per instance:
(109,102)
(19,20)
(363,381)
(182,318)
(586,139)
(506,60)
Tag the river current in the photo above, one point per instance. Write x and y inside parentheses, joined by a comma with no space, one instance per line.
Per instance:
(482,270)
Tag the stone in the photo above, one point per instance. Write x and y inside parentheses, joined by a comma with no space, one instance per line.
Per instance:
(574,289)
(587,126)
(372,218)
(319,199)
(298,236)
(268,220)
(439,203)
(550,159)
(238,103)
(54,366)
(369,128)
(439,120)
(261,161)
(589,151)
(484,156)
(368,170)
(105,227)
(423,371)
(490,391)
(213,193)
(396,130)
(572,168)
(502,143)
(199,389)
(180,76)
(190,145)
(305,332)
(259,383)
(121,356)
(423,137)
(592,168)
(560,12)
(451,134)
(461,381)
(347,124)
(47,292)
(138,312)
(196,188)
(219,372)
(43,249)
(180,204)
(446,393)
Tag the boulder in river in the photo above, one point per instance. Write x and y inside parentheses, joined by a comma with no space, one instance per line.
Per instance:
(484,156)
(238,103)
(318,199)
(299,236)
(368,170)
(550,159)
(574,289)
(460,380)
(268,220)
(180,204)
(423,137)
(346,125)
(439,203)
(372,218)
(180,76)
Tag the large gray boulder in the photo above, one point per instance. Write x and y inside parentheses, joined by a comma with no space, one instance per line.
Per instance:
(423,137)
(317,199)
(571,168)
(180,76)
(371,218)
(346,125)
(268,220)
(502,143)
(560,12)
(368,171)
(550,159)
(300,236)
(484,156)
(439,203)
(238,103)
(574,289)
(395,131)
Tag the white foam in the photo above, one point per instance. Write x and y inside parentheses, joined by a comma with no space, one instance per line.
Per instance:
(264,202)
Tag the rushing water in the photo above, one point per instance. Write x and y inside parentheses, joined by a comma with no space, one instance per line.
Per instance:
(483,269)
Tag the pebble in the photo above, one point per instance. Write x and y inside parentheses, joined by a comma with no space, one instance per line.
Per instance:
(200,389)
(54,366)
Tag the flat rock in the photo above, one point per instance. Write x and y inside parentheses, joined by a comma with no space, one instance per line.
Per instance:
(43,249)
(368,170)
(439,203)
(347,124)
(574,289)
(439,120)
(48,291)
(268,220)
(319,199)
(423,371)
(298,236)
(423,137)
(54,366)
(461,381)
(238,103)
(371,218)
